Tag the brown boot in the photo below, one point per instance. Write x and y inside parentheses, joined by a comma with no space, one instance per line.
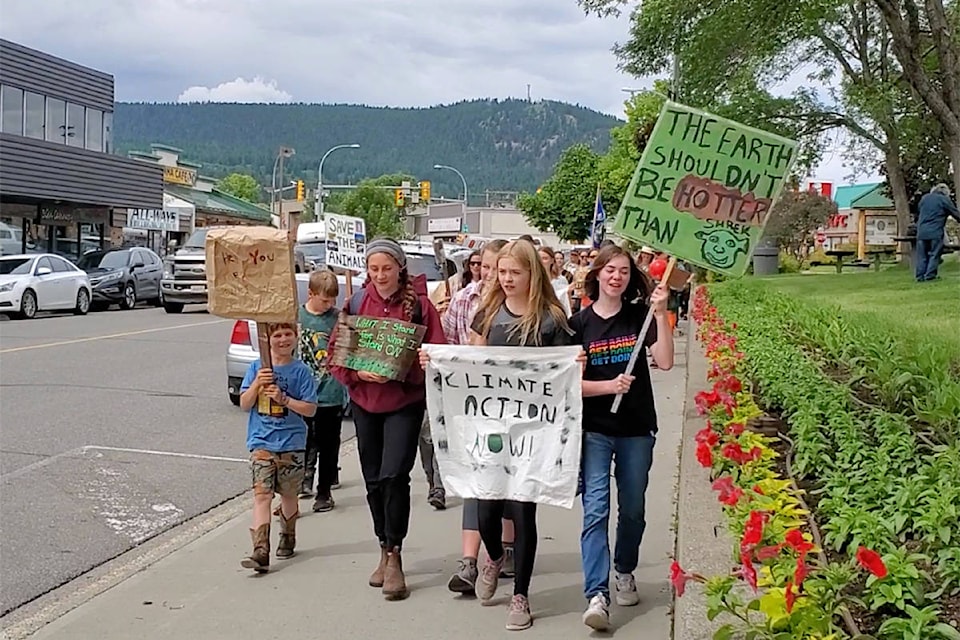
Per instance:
(259,560)
(376,578)
(394,583)
(288,536)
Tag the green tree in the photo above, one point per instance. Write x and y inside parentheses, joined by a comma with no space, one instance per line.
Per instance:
(795,218)
(240,185)
(564,204)
(373,200)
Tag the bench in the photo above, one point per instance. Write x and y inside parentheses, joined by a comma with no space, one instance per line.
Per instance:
(839,255)
(877,254)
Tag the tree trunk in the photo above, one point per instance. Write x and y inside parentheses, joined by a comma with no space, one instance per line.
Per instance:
(901,201)
(953,147)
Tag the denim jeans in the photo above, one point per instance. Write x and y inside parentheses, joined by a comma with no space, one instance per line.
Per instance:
(928,258)
(633,458)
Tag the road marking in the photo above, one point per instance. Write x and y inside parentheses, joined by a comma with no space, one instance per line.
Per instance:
(110,336)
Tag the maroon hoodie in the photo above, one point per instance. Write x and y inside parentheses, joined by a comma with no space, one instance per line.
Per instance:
(392,395)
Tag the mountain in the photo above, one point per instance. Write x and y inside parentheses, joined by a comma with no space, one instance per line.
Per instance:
(508,145)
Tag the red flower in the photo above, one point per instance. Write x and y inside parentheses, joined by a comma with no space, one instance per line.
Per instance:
(872,562)
(734,452)
(729,494)
(679,578)
(794,539)
(757,489)
(704,455)
(748,572)
(730,384)
(800,573)
(765,553)
(753,531)
(707,436)
(735,429)
(705,400)
(790,596)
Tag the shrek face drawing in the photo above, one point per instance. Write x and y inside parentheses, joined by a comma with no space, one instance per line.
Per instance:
(721,247)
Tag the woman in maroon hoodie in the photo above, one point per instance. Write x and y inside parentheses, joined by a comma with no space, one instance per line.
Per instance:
(388,414)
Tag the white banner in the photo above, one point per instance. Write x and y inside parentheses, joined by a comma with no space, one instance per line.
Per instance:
(155,219)
(505,421)
(346,242)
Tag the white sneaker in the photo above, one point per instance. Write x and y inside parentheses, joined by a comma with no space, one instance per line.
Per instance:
(597,615)
(627,595)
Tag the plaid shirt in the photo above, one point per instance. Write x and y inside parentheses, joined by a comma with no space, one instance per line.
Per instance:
(459,315)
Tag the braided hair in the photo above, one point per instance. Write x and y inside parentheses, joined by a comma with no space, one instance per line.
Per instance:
(408,295)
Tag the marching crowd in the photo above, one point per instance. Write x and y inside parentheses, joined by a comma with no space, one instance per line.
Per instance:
(512,294)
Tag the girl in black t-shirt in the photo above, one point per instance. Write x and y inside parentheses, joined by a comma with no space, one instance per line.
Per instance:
(608,330)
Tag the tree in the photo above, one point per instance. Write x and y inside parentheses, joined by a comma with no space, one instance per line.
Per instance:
(241,186)
(373,200)
(795,218)
(565,202)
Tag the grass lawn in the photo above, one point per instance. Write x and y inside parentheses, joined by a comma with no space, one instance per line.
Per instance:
(891,298)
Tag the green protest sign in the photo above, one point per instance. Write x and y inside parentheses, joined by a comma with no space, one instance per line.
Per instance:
(704,188)
(384,346)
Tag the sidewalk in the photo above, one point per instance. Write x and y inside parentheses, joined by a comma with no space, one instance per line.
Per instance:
(200,591)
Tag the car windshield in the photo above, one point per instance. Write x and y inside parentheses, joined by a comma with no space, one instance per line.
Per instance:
(104,260)
(15,266)
(198,240)
(425,265)
(314,249)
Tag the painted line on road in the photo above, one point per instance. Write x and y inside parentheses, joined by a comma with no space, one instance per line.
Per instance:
(110,336)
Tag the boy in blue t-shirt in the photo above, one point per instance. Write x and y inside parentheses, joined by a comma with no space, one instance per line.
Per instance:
(276,438)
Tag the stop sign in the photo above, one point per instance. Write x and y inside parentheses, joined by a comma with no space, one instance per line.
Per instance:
(821,237)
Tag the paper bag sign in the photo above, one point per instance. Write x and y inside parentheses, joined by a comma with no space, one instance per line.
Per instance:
(250,274)
(383,346)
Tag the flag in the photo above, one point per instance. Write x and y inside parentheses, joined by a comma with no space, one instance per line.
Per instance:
(599,221)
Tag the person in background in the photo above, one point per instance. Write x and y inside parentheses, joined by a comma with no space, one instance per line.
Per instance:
(561,266)
(559,283)
(575,290)
(624,439)
(388,414)
(644,258)
(317,319)
(570,268)
(934,209)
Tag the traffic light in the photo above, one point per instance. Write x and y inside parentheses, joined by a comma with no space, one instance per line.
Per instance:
(425,191)
(300,190)
(398,198)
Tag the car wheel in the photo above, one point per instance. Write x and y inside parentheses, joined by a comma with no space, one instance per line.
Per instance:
(173,307)
(83,302)
(235,399)
(28,304)
(129,300)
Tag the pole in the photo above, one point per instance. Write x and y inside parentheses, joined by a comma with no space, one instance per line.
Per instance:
(638,348)
(280,220)
(318,206)
(462,179)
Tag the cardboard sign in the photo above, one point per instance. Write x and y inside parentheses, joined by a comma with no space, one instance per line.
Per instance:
(505,421)
(250,274)
(704,189)
(385,346)
(346,242)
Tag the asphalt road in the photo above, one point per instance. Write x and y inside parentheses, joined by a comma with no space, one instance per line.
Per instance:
(115,427)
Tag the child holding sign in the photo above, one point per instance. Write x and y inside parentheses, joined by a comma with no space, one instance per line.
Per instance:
(277,440)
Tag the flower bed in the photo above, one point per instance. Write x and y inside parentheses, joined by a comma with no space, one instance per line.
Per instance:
(799,586)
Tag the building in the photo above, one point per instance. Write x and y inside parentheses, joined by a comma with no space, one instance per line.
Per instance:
(452,220)
(60,184)
(843,227)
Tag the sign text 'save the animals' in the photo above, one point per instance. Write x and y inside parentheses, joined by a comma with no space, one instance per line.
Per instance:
(346,242)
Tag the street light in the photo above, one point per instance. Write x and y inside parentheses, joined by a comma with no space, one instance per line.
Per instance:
(284,152)
(462,179)
(318,207)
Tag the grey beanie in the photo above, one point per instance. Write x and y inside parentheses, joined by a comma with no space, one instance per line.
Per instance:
(390,247)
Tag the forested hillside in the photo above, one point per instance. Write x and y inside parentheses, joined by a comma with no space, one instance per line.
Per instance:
(496,144)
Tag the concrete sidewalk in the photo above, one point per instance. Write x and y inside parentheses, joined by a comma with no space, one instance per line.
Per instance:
(200,591)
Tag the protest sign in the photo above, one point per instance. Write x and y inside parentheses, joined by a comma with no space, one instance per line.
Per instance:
(384,346)
(704,189)
(505,421)
(346,242)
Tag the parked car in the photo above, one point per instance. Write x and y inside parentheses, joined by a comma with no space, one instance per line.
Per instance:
(123,276)
(314,254)
(42,282)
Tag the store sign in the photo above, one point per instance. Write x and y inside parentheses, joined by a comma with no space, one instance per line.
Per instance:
(880,230)
(57,214)
(443,225)
(153,219)
(180,175)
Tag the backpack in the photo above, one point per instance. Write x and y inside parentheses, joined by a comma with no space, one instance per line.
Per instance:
(353,306)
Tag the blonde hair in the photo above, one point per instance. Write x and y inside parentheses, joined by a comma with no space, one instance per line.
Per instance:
(324,283)
(543,298)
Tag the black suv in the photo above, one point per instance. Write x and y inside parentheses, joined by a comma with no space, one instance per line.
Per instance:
(123,276)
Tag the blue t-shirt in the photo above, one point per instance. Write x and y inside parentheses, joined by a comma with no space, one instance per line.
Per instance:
(287,432)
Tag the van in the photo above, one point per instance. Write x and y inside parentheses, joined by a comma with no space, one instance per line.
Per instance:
(11,240)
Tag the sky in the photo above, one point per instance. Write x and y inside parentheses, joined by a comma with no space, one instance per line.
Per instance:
(376,52)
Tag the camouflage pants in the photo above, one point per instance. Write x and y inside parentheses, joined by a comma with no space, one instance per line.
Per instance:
(276,472)
(428,457)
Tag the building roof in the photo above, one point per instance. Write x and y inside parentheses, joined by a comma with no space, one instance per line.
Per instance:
(220,202)
(845,195)
(872,199)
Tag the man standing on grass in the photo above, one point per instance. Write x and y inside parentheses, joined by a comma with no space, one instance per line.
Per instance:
(934,209)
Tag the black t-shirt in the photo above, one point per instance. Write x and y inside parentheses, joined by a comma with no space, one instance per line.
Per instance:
(503,334)
(609,343)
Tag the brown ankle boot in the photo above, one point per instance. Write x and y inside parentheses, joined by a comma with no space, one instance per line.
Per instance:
(259,560)
(288,536)
(394,583)
(376,578)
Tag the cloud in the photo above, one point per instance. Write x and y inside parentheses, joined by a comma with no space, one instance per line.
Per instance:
(239,90)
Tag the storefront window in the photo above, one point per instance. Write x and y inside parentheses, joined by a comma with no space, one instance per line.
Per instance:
(56,128)
(75,130)
(94,130)
(12,120)
(108,132)
(33,109)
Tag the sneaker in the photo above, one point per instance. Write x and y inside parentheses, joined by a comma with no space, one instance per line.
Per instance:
(305,493)
(489,579)
(518,617)
(437,500)
(627,595)
(465,579)
(597,615)
(508,569)
(323,504)
(336,480)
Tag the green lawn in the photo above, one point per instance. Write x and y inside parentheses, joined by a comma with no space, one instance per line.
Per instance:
(927,311)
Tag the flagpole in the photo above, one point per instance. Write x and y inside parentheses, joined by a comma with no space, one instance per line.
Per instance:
(596,210)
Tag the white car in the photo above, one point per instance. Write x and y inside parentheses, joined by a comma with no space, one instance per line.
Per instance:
(42,282)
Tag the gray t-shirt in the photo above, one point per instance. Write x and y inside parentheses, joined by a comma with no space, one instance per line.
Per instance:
(503,332)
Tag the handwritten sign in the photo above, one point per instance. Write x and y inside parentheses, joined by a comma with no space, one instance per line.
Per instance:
(704,188)
(346,242)
(250,274)
(505,421)
(384,346)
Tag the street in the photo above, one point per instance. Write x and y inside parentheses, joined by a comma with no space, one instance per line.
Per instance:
(116,427)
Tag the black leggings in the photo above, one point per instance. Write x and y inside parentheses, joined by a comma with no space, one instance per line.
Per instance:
(524,516)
